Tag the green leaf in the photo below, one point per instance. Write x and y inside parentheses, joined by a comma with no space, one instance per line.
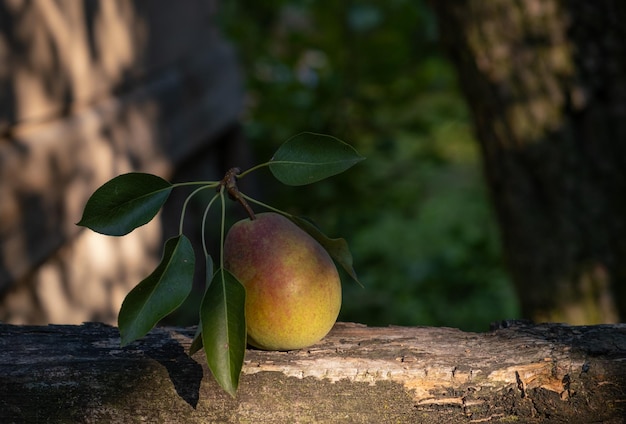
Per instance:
(196,344)
(224,329)
(309,157)
(124,203)
(337,248)
(160,293)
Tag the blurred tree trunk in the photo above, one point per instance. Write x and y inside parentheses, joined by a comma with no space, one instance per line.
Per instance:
(546,84)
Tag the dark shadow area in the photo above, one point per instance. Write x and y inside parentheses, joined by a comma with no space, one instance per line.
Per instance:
(185,373)
(7,95)
(74,370)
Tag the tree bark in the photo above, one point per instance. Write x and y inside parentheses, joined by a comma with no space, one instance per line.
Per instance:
(546,84)
(532,374)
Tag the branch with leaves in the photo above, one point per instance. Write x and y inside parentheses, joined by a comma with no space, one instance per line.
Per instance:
(131,200)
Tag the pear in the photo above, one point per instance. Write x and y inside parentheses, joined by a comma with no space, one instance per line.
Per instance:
(293,291)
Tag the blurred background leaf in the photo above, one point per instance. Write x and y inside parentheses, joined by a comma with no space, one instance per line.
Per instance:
(416,212)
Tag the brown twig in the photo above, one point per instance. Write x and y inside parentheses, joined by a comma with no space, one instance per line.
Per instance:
(229,182)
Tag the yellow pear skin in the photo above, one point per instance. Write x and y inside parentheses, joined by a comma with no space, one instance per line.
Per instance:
(293,291)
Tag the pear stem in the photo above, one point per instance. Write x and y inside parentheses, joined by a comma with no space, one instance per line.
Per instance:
(229,182)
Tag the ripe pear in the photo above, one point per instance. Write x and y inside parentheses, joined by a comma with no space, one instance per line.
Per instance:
(293,291)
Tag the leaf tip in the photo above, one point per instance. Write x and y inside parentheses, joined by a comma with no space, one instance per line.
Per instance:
(358,282)
(232,391)
(124,341)
(82,222)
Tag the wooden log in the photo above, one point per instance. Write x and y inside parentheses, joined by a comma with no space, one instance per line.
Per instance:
(514,373)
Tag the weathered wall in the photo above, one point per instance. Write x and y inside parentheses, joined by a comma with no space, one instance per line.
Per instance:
(90,90)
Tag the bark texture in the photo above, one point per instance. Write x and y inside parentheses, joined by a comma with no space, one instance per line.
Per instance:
(546,84)
(515,373)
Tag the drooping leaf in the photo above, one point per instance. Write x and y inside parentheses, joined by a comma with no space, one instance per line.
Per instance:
(124,203)
(309,157)
(224,329)
(337,248)
(196,343)
(160,293)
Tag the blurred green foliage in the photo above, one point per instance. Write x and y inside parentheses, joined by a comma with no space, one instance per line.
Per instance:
(416,212)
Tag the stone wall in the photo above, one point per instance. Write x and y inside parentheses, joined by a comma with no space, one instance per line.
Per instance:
(90,90)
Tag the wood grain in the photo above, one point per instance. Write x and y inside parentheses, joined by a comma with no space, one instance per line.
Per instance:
(522,372)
